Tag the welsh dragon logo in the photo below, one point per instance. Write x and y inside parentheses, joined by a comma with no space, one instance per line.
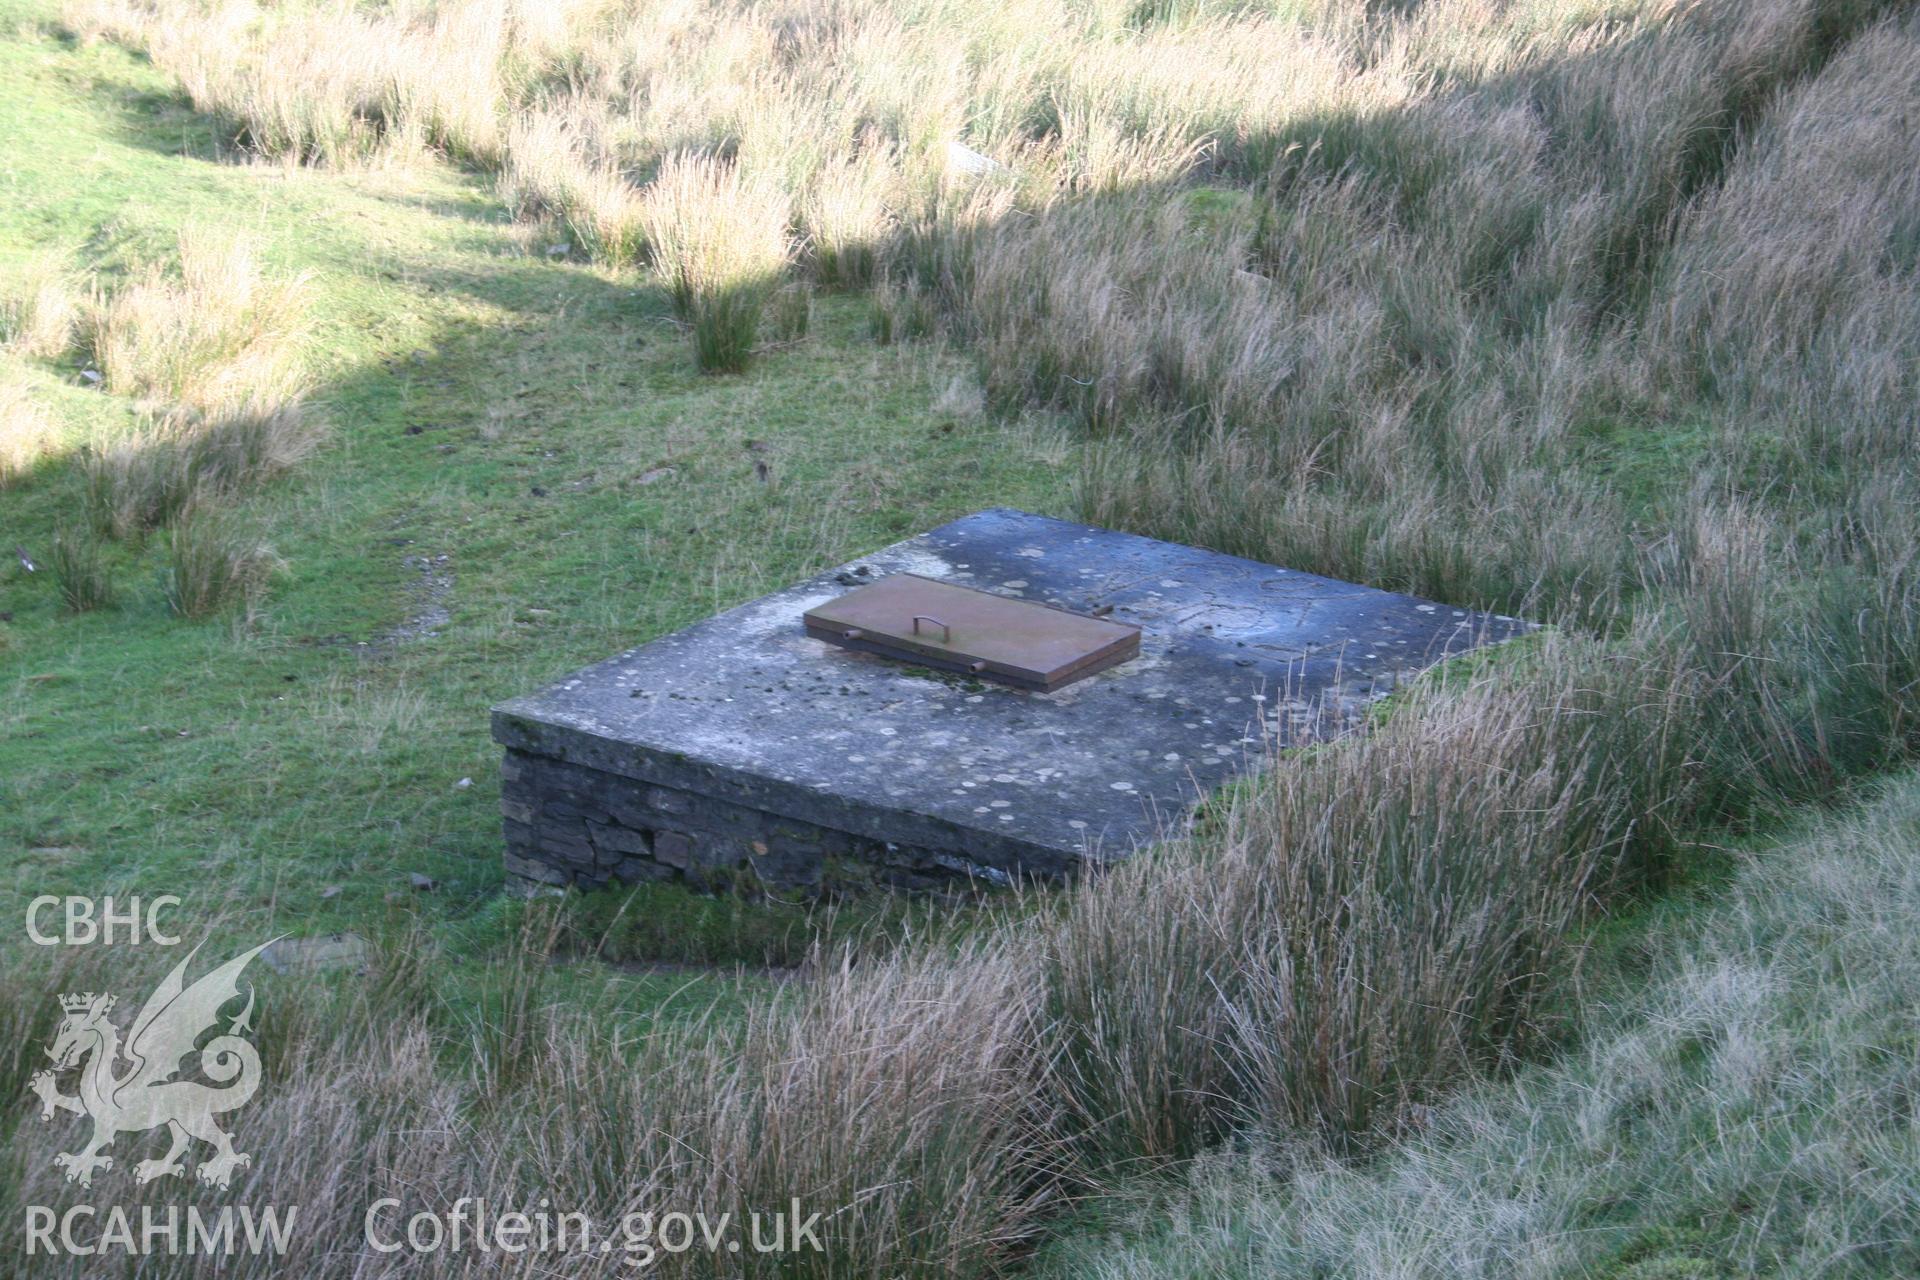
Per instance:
(148,1093)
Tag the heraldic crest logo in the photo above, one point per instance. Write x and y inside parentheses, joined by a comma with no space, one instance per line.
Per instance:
(136,1084)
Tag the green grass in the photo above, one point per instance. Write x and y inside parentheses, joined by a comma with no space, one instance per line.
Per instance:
(538,423)
(666,925)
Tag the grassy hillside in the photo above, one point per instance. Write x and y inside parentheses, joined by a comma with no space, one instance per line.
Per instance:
(363,365)
(1741,1103)
(519,472)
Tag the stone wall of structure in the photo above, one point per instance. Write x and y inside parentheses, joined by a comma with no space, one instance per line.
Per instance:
(568,824)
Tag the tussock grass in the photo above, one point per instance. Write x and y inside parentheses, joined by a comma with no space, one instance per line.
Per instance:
(1266,974)
(39,312)
(80,571)
(1387,363)
(1365,921)
(210,349)
(556,166)
(1368,921)
(209,334)
(900,312)
(848,215)
(853,117)
(26,434)
(789,311)
(887,1096)
(330,84)
(131,483)
(146,478)
(720,241)
(1736,1105)
(213,561)
(1452,268)
(1799,306)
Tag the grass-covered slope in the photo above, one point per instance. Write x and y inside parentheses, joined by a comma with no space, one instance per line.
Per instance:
(520,472)
(1599,312)
(1741,1101)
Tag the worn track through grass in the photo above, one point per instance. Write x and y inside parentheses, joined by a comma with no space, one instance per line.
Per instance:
(525,423)
(1421,347)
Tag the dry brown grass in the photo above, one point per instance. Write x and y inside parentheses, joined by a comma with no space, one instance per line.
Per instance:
(844,121)
(720,242)
(1465,274)
(26,433)
(39,312)
(557,167)
(847,216)
(206,333)
(894,1100)
(209,347)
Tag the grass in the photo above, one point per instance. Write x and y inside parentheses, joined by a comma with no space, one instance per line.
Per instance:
(212,563)
(650,924)
(205,333)
(1737,1103)
(1501,305)
(79,570)
(720,243)
(486,401)
(25,433)
(903,1061)
(40,316)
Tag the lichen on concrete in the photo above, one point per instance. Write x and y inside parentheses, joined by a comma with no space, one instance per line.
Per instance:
(927,772)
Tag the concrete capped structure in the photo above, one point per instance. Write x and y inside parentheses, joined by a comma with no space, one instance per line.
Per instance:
(743,746)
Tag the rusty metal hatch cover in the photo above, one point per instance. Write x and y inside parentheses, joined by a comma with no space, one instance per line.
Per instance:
(953,628)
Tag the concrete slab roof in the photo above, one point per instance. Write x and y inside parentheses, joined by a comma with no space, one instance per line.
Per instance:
(1235,657)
